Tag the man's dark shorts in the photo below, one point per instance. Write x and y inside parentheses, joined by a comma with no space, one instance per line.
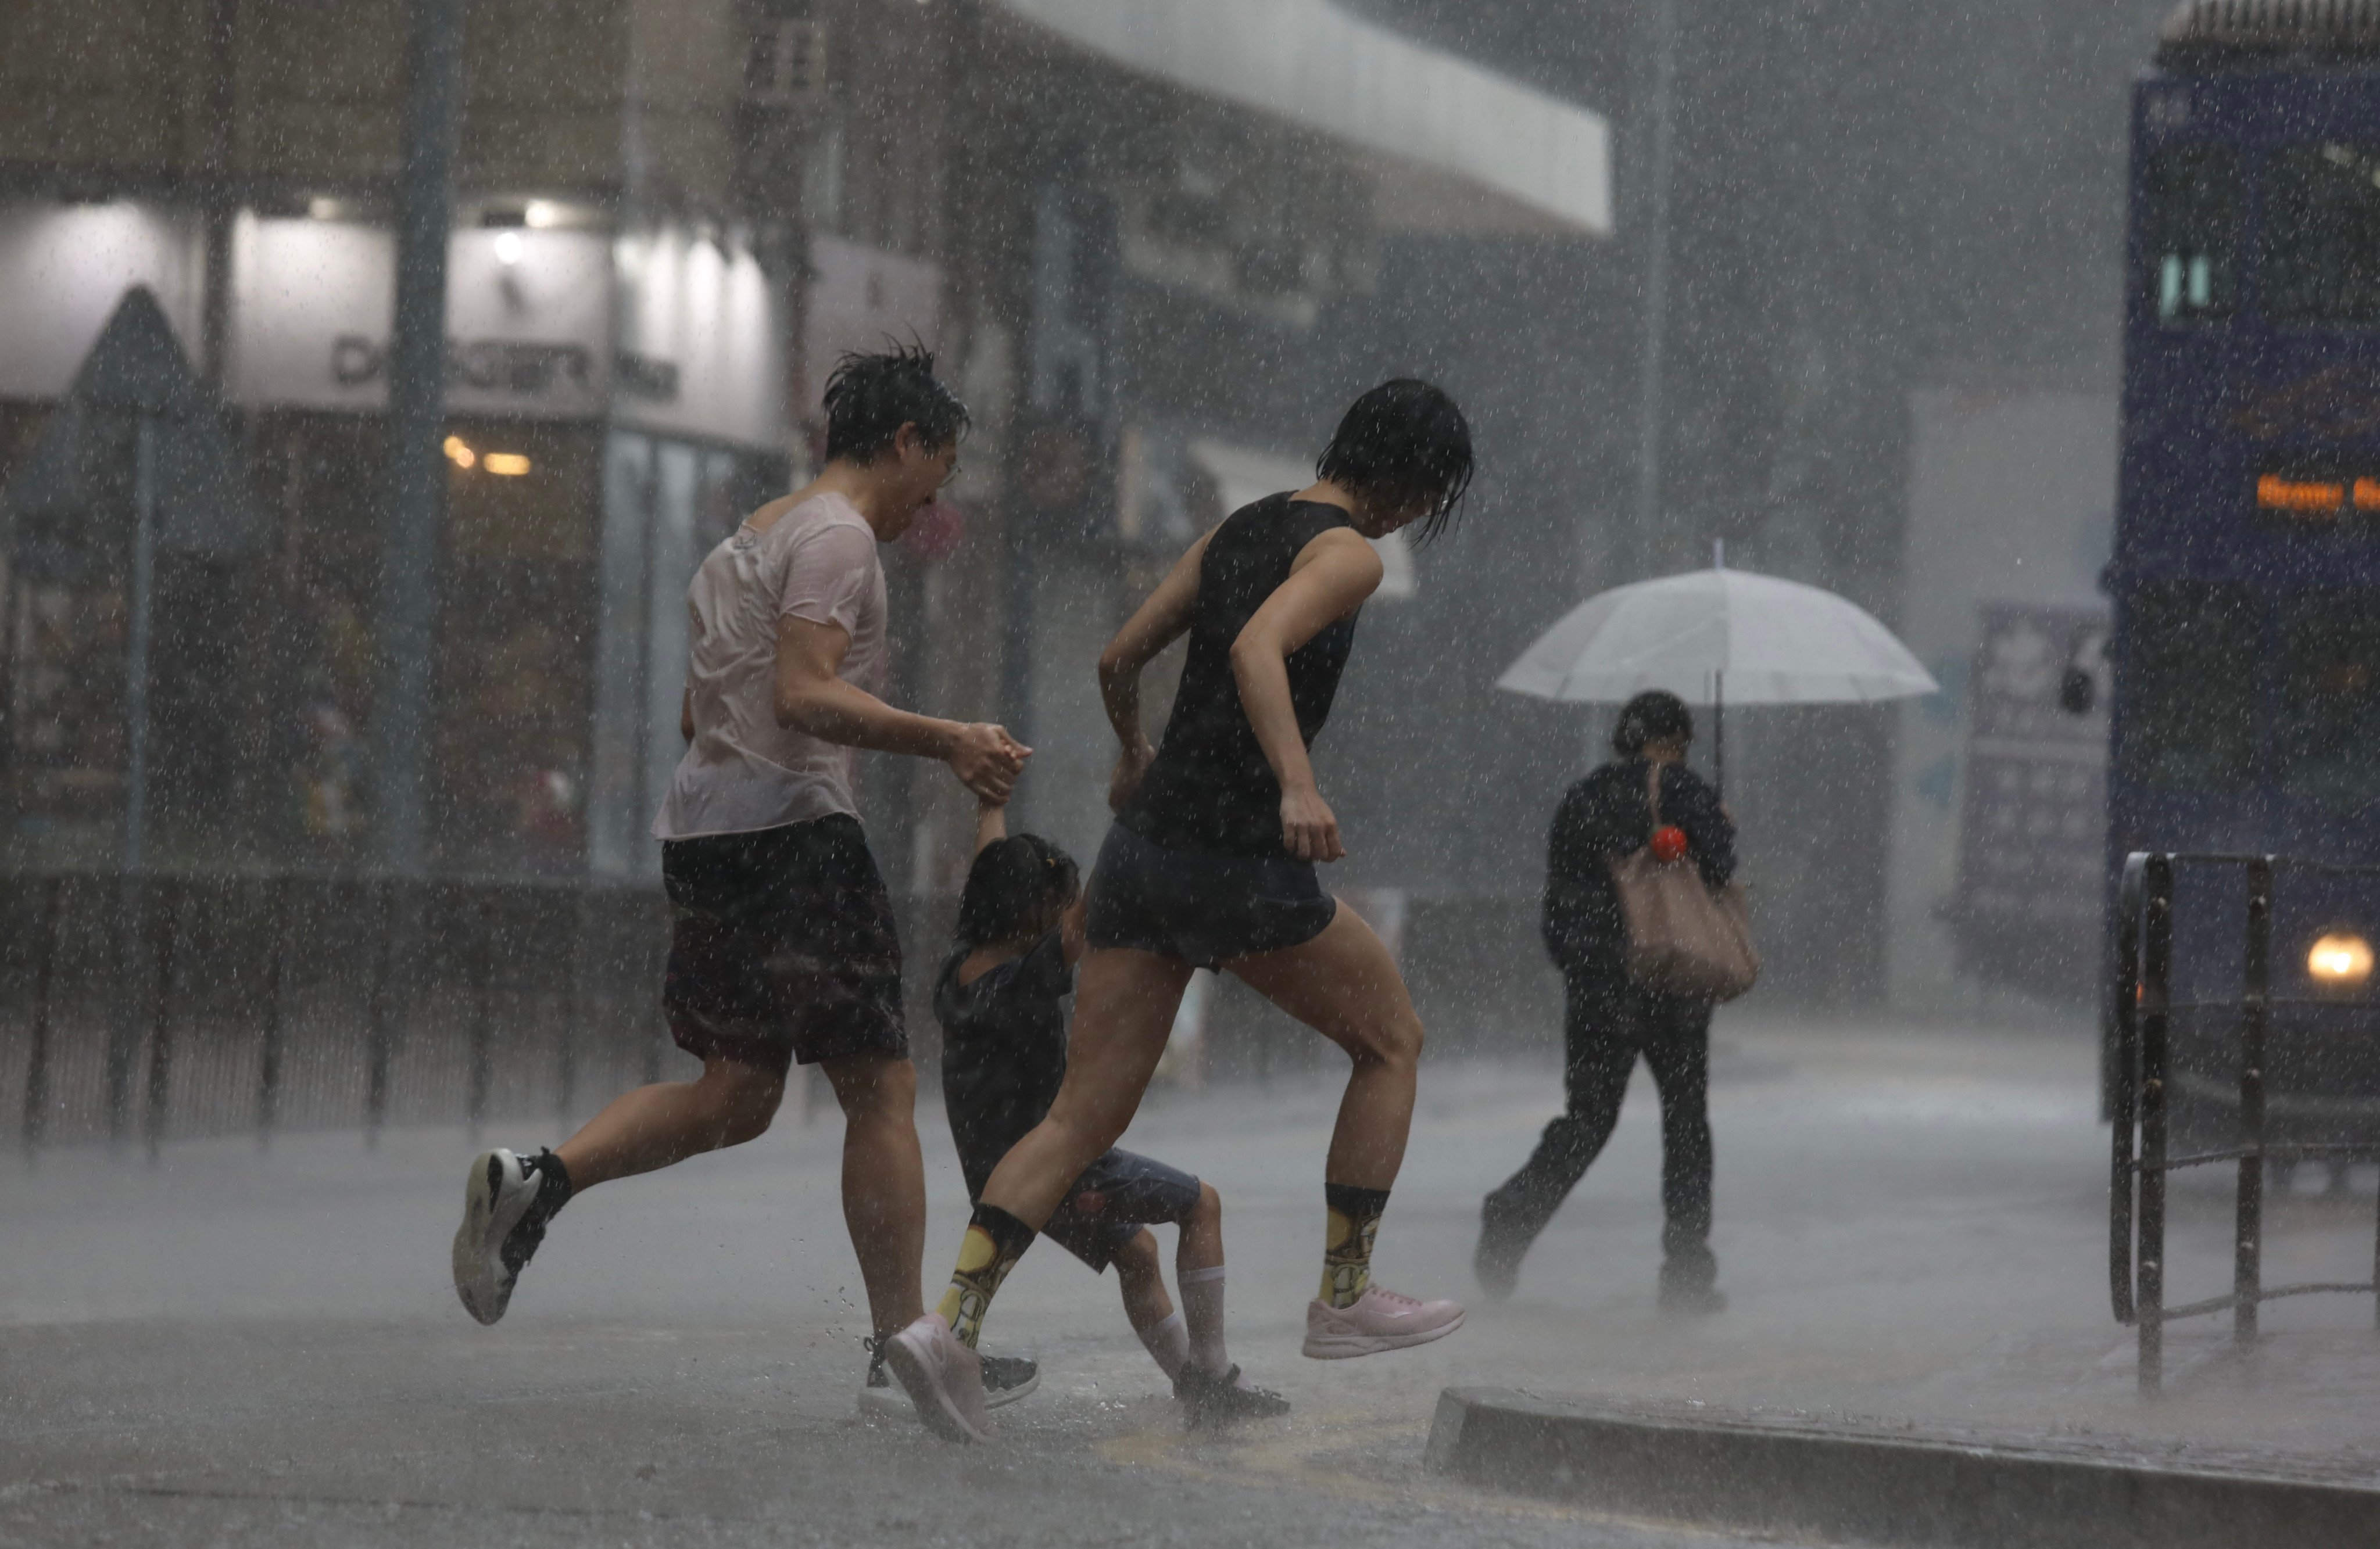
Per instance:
(1117,1196)
(1203,908)
(781,947)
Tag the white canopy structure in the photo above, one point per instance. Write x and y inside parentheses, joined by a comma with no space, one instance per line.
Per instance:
(1315,64)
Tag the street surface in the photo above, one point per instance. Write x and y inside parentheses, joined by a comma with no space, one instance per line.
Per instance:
(248,1349)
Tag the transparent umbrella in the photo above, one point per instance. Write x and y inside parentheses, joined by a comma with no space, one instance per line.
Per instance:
(1712,637)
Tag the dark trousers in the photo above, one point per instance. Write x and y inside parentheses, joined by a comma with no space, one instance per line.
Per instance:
(1608,1022)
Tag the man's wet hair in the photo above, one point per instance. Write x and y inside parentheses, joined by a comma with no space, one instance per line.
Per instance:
(1653,716)
(1017,884)
(869,397)
(1404,441)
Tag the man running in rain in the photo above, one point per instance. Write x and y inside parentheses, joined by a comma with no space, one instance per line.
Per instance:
(782,946)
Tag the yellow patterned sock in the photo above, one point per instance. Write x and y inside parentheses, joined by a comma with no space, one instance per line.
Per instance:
(995,1241)
(1347,1247)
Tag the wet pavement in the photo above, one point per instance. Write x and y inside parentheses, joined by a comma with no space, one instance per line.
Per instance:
(249,1348)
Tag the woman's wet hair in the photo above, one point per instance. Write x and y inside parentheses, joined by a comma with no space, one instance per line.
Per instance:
(1404,442)
(1019,884)
(869,397)
(1653,716)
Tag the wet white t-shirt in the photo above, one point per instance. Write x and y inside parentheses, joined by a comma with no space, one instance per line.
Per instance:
(743,771)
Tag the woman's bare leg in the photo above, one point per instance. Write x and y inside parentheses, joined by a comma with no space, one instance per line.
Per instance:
(668,1121)
(1124,1003)
(1344,985)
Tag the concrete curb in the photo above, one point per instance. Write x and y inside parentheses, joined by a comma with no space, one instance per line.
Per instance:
(1831,1479)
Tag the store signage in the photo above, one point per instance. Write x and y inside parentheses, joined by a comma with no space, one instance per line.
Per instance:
(529,324)
(498,366)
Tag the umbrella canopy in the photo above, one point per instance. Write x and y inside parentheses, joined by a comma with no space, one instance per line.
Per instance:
(1718,635)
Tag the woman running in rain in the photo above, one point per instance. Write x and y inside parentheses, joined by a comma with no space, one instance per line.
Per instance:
(1210,863)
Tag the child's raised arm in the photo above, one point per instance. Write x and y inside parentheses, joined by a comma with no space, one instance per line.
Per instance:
(990,824)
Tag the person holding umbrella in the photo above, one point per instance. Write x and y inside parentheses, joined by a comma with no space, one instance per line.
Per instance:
(1610,1019)
(1728,637)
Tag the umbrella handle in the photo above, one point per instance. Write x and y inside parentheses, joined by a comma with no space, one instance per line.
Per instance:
(1719,733)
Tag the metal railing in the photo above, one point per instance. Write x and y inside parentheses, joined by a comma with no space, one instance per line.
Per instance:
(2145,1006)
(155,1007)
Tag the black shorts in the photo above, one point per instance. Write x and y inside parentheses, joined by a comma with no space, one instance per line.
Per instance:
(1203,908)
(781,947)
(1116,1196)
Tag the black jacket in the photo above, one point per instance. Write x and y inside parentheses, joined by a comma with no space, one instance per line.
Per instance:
(1602,818)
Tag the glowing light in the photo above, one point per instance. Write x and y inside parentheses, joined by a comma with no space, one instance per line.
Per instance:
(2319,496)
(506,465)
(541,214)
(323,208)
(459,452)
(508,247)
(2339,959)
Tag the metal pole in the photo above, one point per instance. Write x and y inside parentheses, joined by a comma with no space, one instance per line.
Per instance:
(1629,551)
(160,1031)
(2247,1270)
(573,1007)
(381,1027)
(37,1068)
(2155,999)
(268,1058)
(136,653)
(483,971)
(2123,1083)
(417,368)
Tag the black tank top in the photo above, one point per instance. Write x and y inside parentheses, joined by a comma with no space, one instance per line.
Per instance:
(1211,788)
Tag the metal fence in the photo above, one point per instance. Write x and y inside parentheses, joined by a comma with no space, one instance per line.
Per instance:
(161,1007)
(2144,1008)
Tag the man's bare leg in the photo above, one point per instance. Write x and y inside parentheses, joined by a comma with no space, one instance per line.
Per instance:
(883,1181)
(654,1126)
(509,1198)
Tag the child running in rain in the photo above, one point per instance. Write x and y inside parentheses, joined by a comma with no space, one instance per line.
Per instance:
(1000,1001)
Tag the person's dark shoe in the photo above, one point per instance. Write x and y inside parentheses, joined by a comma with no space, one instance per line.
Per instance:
(1208,1400)
(1502,1245)
(1690,1280)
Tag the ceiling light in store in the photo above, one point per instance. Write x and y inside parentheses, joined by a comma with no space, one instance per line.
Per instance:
(543,213)
(2340,960)
(512,465)
(459,452)
(323,208)
(509,247)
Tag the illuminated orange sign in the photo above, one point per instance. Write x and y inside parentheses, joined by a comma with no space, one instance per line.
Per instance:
(2317,499)
(2302,497)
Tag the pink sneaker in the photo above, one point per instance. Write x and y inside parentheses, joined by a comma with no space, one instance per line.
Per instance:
(1379,1320)
(944,1379)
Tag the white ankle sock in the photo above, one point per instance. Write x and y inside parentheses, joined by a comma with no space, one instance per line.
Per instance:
(1202,1304)
(1169,1344)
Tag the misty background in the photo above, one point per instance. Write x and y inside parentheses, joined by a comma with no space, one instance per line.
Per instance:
(1887,365)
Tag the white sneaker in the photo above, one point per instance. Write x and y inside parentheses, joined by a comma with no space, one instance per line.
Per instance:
(502,1228)
(1378,1320)
(1006,1378)
(944,1379)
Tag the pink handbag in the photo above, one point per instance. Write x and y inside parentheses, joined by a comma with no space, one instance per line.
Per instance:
(1683,938)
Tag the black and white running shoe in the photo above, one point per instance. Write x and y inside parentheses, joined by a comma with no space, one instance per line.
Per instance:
(506,1207)
(1006,1378)
(1208,1400)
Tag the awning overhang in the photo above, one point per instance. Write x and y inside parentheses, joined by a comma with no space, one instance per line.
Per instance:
(1310,63)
